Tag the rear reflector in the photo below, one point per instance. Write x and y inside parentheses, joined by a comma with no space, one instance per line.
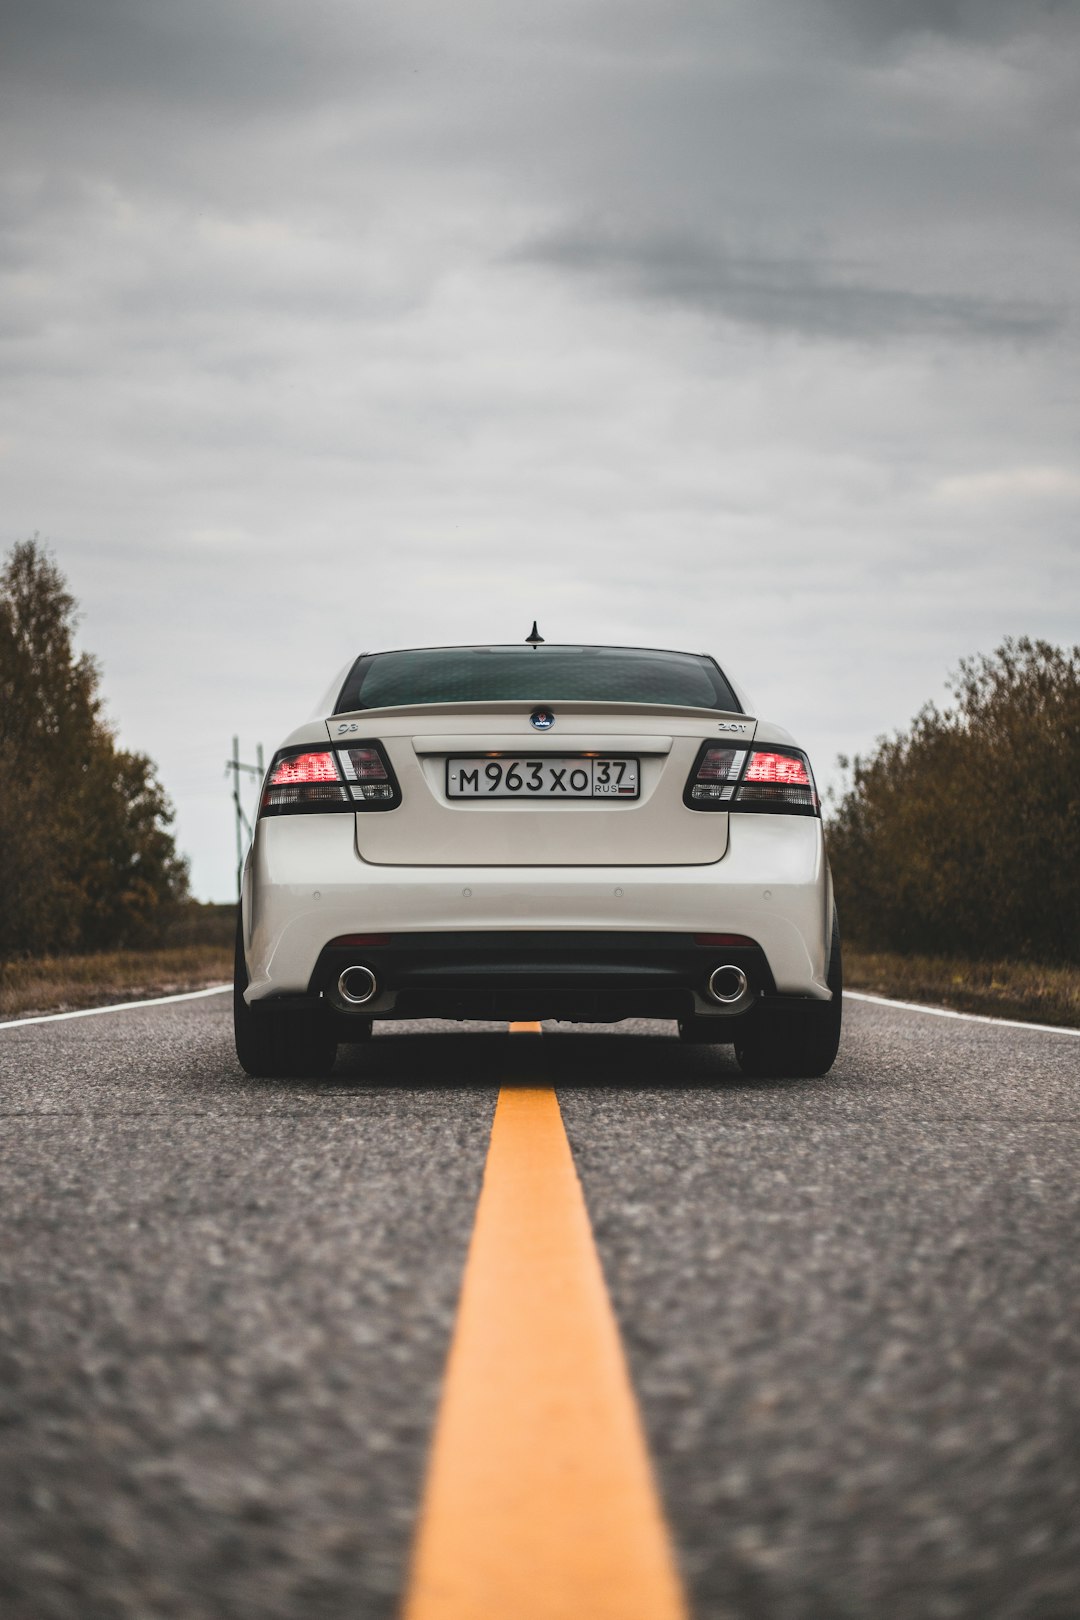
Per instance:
(360,939)
(723,939)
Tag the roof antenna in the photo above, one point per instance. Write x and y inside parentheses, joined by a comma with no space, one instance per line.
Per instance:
(534,639)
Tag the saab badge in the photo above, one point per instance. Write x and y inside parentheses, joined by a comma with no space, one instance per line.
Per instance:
(542,719)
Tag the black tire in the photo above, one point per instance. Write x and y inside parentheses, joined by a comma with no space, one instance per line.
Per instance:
(803,1042)
(359,1030)
(273,1045)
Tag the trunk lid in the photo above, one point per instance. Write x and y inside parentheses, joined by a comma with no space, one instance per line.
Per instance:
(431,828)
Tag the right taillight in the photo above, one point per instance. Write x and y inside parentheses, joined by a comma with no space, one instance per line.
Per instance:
(776,779)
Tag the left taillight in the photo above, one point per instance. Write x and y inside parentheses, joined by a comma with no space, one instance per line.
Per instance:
(304,780)
(301,780)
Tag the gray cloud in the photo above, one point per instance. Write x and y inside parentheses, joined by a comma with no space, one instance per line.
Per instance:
(216,54)
(956,19)
(794,295)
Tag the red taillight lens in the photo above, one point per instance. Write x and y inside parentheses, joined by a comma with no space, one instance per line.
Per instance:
(306,781)
(787,769)
(778,781)
(304,768)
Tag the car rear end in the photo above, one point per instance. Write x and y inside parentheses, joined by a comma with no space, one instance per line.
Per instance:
(571,833)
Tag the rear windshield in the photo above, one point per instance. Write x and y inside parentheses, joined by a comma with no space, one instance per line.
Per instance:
(535,675)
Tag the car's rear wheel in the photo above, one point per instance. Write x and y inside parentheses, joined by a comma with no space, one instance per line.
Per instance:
(273,1044)
(803,1043)
(360,1030)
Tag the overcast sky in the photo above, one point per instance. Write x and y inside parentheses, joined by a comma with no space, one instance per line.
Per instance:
(744,326)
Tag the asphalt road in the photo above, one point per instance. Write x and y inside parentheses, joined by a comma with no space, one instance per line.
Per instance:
(851,1308)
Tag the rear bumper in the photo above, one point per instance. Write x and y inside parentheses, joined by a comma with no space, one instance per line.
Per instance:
(305,884)
(593,978)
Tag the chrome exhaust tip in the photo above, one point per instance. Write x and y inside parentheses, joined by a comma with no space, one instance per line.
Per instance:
(357,986)
(729,985)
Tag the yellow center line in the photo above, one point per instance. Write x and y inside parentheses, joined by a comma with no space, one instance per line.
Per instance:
(540,1502)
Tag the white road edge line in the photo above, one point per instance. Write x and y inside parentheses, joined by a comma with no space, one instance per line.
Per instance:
(969,1018)
(117,1006)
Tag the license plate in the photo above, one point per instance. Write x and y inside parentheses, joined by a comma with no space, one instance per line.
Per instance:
(554,776)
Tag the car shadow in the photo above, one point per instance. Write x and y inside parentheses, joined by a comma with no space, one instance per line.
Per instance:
(643,1057)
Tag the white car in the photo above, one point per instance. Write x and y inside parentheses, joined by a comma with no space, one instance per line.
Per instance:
(538,832)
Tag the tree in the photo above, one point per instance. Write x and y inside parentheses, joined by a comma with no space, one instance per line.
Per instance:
(87,860)
(963,834)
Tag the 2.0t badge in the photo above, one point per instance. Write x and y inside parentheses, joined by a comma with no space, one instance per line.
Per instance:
(542,719)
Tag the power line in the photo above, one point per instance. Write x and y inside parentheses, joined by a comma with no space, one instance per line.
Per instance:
(235,765)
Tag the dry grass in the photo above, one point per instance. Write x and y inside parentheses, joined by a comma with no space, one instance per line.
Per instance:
(1040,995)
(62,983)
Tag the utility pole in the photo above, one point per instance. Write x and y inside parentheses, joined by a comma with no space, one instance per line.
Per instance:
(235,766)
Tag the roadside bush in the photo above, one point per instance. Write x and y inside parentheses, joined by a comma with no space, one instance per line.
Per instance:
(962,835)
(87,860)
